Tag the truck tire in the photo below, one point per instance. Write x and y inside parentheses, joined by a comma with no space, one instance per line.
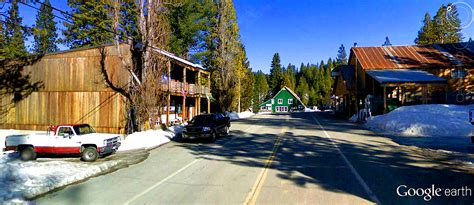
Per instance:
(27,154)
(90,154)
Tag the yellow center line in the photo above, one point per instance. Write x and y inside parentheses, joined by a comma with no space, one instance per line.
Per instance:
(257,187)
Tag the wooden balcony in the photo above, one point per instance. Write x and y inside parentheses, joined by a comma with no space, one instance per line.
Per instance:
(180,88)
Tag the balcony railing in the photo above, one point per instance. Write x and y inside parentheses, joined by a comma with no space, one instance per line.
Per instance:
(188,88)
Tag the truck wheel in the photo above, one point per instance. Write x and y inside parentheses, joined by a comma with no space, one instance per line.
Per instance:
(27,153)
(90,154)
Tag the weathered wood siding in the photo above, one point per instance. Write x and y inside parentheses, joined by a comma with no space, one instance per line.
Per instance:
(74,92)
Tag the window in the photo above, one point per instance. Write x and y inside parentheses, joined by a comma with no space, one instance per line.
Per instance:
(65,130)
(290,101)
(280,101)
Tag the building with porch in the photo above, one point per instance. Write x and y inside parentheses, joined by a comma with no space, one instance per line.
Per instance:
(284,101)
(384,77)
(75,91)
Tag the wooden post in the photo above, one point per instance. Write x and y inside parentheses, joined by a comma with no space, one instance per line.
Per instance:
(403,95)
(398,94)
(373,87)
(446,87)
(384,99)
(169,94)
(423,93)
(208,100)
(183,92)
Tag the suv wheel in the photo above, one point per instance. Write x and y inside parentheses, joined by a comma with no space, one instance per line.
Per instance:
(90,154)
(27,153)
(226,130)
(213,137)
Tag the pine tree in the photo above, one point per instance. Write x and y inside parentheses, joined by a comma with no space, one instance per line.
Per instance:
(445,27)
(341,56)
(261,87)
(45,36)
(387,42)
(91,25)
(129,15)
(223,58)
(426,34)
(453,29)
(276,74)
(303,90)
(3,41)
(15,33)
(187,21)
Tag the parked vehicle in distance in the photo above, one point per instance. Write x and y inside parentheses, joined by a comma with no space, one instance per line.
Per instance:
(67,139)
(206,126)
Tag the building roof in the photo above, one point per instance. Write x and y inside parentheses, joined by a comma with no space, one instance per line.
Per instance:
(347,74)
(290,91)
(404,76)
(415,56)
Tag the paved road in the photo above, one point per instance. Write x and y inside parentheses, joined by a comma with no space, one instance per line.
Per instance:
(302,158)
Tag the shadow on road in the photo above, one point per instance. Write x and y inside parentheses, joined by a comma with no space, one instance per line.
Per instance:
(309,159)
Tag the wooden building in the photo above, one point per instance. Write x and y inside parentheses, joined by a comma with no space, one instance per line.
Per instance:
(390,76)
(75,91)
(284,101)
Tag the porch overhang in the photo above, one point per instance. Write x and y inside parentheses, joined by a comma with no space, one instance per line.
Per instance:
(395,77)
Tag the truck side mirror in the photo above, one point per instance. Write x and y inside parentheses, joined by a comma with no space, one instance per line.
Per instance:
(66,135)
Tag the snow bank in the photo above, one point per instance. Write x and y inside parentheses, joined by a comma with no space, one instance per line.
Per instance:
(149,139)
(241,115)
(20,179)
(439,120)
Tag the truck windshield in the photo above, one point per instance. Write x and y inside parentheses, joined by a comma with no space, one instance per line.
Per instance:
(201,119)
(83,129)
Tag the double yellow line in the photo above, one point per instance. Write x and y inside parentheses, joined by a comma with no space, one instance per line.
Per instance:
(257,187)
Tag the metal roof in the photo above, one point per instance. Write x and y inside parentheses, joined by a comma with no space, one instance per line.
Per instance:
(416,56)
(404,76)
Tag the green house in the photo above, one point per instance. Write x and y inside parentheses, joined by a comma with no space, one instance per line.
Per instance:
(284,101)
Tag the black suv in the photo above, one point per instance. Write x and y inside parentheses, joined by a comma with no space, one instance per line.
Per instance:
(206,126)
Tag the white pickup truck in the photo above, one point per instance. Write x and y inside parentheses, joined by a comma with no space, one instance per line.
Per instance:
(67,139)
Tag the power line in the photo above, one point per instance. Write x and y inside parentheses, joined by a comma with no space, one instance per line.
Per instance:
(21,2)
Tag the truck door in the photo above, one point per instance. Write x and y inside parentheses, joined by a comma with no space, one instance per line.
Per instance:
(66,141)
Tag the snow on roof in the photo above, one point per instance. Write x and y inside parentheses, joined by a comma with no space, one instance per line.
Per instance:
(172,56)
(404,76)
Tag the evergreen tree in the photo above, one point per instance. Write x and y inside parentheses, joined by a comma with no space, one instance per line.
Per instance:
(276,74)
(45,36)
(91,23)
(453,29)
(445,27)
(15,33)
(224,37)
(129,15)
(341,56)
(187,21)
(426,34)
(387,42)
(3,41)
(261,87)
(303,90)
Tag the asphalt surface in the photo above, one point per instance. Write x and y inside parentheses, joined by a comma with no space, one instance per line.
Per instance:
(299,158)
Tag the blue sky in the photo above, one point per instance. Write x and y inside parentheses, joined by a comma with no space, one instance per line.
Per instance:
(311,30)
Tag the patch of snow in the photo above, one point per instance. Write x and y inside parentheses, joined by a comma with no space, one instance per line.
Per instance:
(437,120)
(354,118)
(314,109)
(241,115)
(149,139)
(20,180)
